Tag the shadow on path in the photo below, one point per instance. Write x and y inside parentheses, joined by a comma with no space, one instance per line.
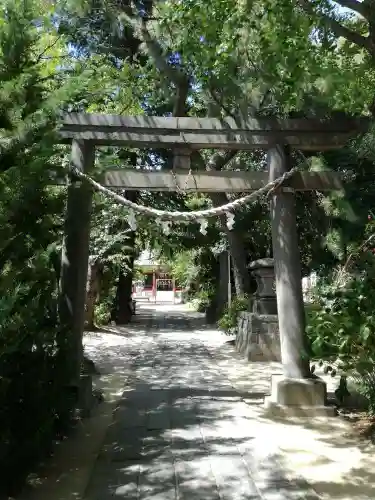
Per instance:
(181,430)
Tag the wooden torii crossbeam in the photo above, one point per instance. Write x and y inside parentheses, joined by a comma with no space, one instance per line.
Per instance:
(206,133)
(228,181)
(202,133)
(278,137)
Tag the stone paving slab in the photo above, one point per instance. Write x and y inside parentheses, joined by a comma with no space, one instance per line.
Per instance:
(114,480)
(123,443)
(189,424)
(131,417)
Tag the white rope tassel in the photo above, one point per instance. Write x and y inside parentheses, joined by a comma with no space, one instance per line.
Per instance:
(230,220)
(203,226)
(132,221)
(166,226)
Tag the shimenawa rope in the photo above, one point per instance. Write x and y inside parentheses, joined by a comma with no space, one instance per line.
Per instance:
(230,207)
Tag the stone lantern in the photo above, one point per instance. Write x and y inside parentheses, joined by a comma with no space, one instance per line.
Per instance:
(258,336)
(265,296)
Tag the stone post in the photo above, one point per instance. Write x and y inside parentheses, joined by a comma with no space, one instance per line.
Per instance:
(295,388)
(74,264)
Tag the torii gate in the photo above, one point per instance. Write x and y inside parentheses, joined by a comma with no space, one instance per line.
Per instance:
(184,135)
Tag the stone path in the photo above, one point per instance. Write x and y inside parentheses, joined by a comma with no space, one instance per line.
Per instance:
(186,426)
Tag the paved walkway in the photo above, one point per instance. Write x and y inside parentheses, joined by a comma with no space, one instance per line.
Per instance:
(187,424)
(190,424)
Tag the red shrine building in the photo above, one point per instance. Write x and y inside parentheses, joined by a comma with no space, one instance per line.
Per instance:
(155,282)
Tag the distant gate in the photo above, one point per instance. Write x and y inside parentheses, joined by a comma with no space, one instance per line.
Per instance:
(140,292)
(165,291)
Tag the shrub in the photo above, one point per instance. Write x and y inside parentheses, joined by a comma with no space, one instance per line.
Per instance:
(103,312)
(204,299)
(33,407)
(342,327)
(228,322)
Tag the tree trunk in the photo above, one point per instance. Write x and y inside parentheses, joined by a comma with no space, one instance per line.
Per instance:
(122,309)
(222,291)
(237,251)
(92,293)
(212,313)
(239,259)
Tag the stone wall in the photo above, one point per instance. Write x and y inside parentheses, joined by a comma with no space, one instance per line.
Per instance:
(258,337)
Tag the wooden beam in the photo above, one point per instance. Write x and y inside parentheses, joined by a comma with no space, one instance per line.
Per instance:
(237,142)
(210,181)
(204,133)
(165,125)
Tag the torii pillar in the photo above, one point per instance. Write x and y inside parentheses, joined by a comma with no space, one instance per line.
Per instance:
(296,391)
(74,264)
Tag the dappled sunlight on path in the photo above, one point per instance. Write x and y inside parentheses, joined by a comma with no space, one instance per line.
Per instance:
(190,423)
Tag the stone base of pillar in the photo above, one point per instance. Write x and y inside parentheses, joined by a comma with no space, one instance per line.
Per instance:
(298,397)
(258,337)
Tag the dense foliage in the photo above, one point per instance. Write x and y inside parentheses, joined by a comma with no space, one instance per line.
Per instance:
(341,324)
(31,382)
(229,320)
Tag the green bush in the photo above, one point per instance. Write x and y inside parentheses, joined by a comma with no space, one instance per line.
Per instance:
(104,307)
(103,312)
(342,327)
(228,322)
(33,408)
(204,299)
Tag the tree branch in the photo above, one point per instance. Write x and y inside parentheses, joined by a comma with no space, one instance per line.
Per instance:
(338,29)
(182,82)
(46,49)
(176,76)
(182,91)
(358,7)
(219,102)
(155,50)
(218,160)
